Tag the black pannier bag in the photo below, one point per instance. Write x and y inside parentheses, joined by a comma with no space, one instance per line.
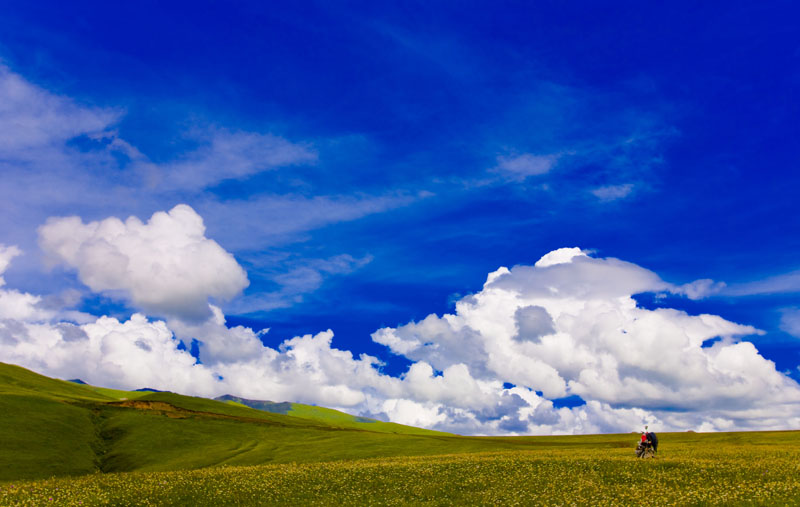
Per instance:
(653,439)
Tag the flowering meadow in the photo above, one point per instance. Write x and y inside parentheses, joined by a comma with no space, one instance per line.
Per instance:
(688,470)
(66,444)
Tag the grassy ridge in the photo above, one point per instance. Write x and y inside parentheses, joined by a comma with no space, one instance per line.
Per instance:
(115,394)
(56,428)
(18,380)
(343,420)
(164,448)
(327,416)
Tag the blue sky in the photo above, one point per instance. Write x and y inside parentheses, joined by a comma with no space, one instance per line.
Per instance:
(368,164)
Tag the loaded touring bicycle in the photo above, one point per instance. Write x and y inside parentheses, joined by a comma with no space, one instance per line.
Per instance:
(648,447)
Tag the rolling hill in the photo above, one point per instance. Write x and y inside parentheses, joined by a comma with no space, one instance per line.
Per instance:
(57,435)
(56,428)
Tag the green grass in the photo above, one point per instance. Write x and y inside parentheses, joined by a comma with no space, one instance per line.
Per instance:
(115,393)
(82,445)
(691,469)
(58,428)
(42,437)
(17,380)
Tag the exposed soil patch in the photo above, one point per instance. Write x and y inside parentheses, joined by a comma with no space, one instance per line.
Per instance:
(160,407)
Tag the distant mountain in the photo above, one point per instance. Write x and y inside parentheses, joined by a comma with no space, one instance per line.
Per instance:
(312,412)
(142,390)
(282,407)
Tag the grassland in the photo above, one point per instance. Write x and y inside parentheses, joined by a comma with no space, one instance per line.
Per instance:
(70,444)
(56,428)
(727,469)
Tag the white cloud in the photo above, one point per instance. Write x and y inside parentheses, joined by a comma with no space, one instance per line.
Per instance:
(7,253)
(143,353)
(560,256)
(412,413)
(127,355)
(613,192)
(533,322)
(36,126)
(582,277)
(165,266)
(790,321)
(779,284)
(308,275)
(140,352)
(296,279)
(218,343)
(225,154)
(598,344)
(519,167)
(565,326)
(32,120)
(271,219)
(700,289)
(13,303)
(21,305)
(60,156)
(42,169)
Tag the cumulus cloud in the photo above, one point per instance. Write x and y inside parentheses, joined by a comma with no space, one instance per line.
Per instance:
(567,325)
(21,305)
(60,156)
(166,266)
(142,352)
(218,342)
(559,256)
(107,352)
(7,253)
(13,303)
(532,323)
(575,274)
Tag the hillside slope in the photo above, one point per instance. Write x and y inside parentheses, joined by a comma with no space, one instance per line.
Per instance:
(55,428)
